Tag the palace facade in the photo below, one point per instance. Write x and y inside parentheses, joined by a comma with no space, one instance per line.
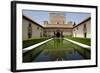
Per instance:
(55,27)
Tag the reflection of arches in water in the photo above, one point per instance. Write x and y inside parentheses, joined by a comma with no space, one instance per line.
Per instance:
(60,59)
(58,43)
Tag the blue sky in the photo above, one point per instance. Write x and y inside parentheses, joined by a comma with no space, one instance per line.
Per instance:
(40,16)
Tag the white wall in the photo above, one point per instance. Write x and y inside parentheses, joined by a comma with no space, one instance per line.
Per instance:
(78,31)
(89,29)
(25,24)
(35,32)
(5,37)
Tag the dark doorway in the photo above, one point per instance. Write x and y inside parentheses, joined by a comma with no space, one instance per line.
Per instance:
(58,34)
(85,31)
(85,34)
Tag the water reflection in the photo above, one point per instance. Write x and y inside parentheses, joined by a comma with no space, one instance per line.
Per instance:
(59,50)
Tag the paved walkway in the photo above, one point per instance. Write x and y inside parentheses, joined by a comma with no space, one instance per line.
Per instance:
(34,46)
(77,43)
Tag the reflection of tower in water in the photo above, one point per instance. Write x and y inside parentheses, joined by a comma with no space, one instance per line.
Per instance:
(57,53)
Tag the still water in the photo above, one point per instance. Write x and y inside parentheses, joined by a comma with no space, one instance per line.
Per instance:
(57,50)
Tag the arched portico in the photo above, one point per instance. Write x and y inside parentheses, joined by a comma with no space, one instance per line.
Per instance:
(58,34)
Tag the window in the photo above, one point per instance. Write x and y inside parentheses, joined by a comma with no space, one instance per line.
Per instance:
(77,28)
(38,27)
(84,31)
(40,34)
(84,25)
(84,28)
(29,30)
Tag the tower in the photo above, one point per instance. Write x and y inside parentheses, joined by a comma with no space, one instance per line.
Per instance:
(45,22)
(57,18)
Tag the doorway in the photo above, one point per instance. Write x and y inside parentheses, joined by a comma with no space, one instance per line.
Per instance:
(85,34)
(58,34)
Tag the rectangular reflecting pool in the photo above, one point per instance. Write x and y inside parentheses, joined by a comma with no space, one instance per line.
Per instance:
(57,50)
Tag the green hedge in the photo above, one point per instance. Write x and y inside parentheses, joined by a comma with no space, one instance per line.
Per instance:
(86,41)
(27,43)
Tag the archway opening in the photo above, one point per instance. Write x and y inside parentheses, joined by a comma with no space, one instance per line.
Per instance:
(58,34)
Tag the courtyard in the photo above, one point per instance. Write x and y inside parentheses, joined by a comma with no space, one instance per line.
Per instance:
(55,36)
